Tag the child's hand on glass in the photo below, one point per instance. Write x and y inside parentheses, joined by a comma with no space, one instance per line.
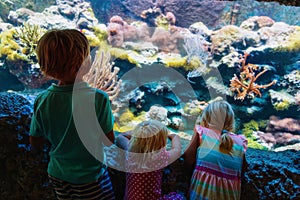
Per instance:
(171,136)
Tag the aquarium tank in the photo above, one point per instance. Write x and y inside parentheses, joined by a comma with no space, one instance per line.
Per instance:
(164,60)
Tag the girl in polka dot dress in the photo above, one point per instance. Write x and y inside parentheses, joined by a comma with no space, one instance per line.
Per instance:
(146,157)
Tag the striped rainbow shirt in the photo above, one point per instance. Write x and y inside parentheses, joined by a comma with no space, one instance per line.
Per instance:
(217,176)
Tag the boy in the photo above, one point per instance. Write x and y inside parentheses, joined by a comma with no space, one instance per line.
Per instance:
(74,173)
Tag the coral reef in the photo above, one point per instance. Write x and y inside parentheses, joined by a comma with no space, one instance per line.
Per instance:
(281,100)
(291,81)
(273,133)
(9,47)
(257,22)
(249,130)
(125,118)
(245,84)
(19,43)
(28,36)
(103,76)
(7,7)
(158,113)
(297,98)
(20,56)
(19,166)
(157,39)
(292,43)
(218,86)
(98,37)
(196,45)
(194,108)
(222,39)
(284,2)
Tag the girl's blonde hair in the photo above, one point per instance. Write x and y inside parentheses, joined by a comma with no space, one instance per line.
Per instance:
(148,136)
(220,116)
(61,52)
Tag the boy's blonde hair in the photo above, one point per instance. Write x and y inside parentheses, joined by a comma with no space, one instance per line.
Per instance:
(61,52)
(220,116)
(148,136)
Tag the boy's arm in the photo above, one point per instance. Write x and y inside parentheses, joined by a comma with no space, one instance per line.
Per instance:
(176,147)
(111,136)
(36,136)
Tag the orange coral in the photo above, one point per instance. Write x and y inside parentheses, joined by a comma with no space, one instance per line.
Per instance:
(245,84)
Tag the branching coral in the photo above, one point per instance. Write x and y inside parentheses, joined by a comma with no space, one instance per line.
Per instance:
(9,47)
(28,36)
(245,84)
(20,43)
(103,76)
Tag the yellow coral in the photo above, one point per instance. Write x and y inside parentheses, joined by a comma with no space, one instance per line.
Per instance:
(126,117)
(8,46)
(248,130)
(93,41)
(99,37)
(176,60)
(252,143)
(283,105)
(128,120)
(162,21)
(124,55)
(292,44)
(172,61)
(27,36)
(101,33)
(249,127)
(20,43)
(118,53)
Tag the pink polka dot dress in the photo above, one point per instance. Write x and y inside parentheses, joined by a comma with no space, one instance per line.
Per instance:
(147,185)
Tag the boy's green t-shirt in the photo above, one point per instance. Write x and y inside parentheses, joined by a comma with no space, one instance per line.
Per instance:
(74,138)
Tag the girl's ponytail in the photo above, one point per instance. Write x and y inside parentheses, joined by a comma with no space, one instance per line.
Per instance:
(226,143)
(219,115)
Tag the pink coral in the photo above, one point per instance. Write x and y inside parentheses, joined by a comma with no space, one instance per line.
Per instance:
(117,19)
(115,34)
(171,18)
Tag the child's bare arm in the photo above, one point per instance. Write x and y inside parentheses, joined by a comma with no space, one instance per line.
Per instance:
(111,136)
(244,166)
(176,147)
(122,140)
(190,153)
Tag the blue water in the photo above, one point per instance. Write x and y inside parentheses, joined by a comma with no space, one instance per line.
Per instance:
(283,66)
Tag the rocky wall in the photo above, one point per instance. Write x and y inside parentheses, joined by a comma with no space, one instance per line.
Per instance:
(270,175)
(212,13)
